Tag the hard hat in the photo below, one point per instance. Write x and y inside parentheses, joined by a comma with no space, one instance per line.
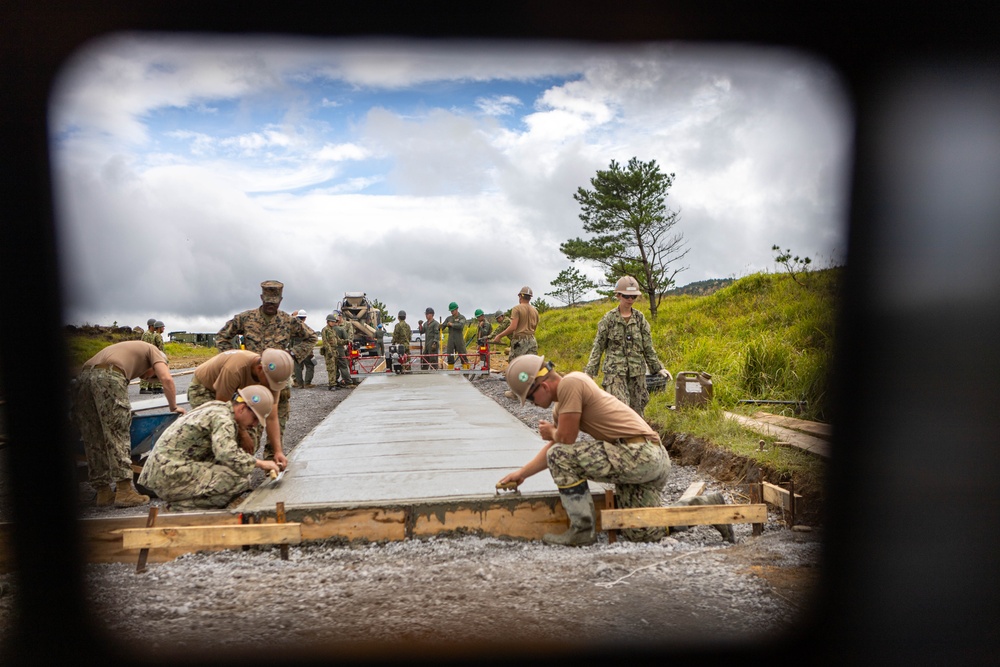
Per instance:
(158,324)
(429,311)
(332,317)
(151,321)
(301,315)
(522,372)
(259,399)
(627,285)
(499,313)
(452,306)
(479,311)
(401,315)
(526,291)
(277,367)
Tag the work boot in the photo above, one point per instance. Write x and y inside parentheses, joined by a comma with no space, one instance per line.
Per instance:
(579,505)
(509,394)
(105,496)
(126,496)
(332,387)
(725,529)
(308,385)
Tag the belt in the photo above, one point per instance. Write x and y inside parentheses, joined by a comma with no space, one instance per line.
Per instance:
(524,337)
(633,440)
(110,367)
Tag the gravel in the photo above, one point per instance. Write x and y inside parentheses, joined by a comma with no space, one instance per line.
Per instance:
(479,595)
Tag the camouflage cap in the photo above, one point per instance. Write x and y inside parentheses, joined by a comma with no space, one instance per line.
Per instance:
(270,291)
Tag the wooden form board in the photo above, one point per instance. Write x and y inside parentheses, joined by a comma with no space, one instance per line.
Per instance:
(779,497)
(813,428)
(698,515)
(211,536)
(802,441)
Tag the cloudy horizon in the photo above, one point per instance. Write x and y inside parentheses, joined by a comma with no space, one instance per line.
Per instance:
(189,169)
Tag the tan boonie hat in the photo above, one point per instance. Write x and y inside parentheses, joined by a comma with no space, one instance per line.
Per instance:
(270,291)
(277,367)
(526,291)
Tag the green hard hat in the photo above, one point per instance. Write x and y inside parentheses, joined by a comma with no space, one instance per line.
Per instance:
(452,306)
(479,311)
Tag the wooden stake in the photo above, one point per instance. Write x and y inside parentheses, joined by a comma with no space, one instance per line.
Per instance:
(609,504)
(280,515)
(140,566)
(757,496)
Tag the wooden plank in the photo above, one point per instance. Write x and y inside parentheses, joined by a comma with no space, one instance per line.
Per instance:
(814,428)
(779,497)
(696,489)
(792,438)
(698,515)
(212,536)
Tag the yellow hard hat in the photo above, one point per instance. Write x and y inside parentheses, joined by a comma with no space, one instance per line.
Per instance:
(258,398)
(521,374)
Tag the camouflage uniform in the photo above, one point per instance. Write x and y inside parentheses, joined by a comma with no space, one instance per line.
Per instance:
(261,332)
(637,466)
(153,338)
(484,331)
(343,368)
(401,334)
(455,324)
(103,414)
(638,470)
(197,463)
(303,370)
(331,349)
(627,346)
(431,331)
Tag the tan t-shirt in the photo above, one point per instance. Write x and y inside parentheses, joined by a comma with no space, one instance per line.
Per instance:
(527,320)
(602,416)
(135,357)
(228,371)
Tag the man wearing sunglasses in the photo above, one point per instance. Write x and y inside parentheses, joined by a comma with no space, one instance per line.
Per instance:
(625,450)
(198,463)
(624,340)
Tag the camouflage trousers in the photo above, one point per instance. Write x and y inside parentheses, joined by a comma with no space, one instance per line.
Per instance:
(521,346)
(303,371)
(631,391)
(639,471)
(204,486)
(337,369)
(103,414)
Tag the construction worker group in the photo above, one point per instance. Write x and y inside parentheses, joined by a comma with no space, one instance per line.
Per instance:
(203,459)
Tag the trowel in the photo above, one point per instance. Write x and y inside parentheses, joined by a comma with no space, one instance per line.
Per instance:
(275,477)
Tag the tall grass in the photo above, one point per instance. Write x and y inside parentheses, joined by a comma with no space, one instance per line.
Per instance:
(762,337)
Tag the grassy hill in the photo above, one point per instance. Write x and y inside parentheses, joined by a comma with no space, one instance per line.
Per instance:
(760,337)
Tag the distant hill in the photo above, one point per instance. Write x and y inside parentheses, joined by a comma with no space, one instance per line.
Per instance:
(701,288)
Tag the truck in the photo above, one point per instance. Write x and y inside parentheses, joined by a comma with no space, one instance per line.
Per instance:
(361,319)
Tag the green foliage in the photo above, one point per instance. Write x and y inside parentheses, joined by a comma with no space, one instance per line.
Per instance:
(570,285)
(381,307)
(793,265)
(630,224)
(541,305)
(762,337)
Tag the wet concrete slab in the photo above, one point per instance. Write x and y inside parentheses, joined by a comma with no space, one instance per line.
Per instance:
(401,439)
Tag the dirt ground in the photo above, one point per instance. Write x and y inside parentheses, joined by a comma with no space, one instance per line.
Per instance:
(468,595)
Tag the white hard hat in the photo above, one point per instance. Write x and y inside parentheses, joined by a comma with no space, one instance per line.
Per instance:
(301,315)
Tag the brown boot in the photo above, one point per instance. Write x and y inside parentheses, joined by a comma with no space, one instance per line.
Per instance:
(126,496)
(105,496)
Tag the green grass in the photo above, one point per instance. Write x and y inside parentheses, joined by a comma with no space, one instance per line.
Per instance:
(82,347)
(762,337)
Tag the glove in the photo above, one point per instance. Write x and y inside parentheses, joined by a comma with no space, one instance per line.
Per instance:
(665,373)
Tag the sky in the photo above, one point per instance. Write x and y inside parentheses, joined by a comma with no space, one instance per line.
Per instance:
(187,170)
